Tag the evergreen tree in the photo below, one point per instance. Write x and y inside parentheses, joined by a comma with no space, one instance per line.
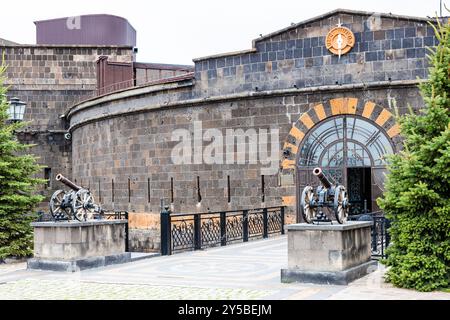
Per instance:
(17,200)
(417,197)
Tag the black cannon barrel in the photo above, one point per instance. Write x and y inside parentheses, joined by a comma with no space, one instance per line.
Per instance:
(67,182)
(325,182)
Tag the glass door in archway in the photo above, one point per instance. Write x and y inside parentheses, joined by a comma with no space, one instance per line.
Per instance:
(351,151)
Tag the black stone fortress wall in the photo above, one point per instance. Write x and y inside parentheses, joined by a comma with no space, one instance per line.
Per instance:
(50,79)
(387,48)
(122,143)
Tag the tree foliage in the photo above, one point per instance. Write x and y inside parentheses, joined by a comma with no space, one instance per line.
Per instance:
(17,185)
(417,197)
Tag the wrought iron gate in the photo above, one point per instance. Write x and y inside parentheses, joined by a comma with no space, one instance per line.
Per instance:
(194,231)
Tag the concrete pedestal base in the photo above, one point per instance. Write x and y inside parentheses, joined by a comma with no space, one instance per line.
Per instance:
(328,254)
(73,246)
(331,277)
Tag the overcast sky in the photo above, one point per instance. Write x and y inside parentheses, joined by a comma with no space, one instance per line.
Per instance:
(176,31)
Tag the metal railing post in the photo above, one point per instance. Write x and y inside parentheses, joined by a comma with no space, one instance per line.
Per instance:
(282,219)
(223,229)
(126,231)
(197,232)
(165,232)
(245,225)
(265,224)
(385,232)
(374,234)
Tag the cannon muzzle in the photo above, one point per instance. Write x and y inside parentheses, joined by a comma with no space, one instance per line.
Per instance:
(325,182)
(67,182)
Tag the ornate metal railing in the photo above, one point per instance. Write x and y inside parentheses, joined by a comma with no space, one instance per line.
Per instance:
(379,234)
(194,231)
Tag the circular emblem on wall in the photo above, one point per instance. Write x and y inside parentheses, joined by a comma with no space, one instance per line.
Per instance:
(340,40)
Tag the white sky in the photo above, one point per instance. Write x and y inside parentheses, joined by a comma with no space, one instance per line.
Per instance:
(176,31)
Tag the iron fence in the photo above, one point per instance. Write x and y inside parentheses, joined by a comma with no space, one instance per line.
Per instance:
(379,234)
(195,231)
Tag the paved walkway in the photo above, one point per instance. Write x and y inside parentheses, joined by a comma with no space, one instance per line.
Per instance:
(241,271)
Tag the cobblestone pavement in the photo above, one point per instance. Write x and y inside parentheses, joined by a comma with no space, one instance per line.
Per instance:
(240,271)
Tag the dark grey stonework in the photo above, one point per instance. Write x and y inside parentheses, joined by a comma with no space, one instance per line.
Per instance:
(144,240)
(121,144)
(50,79)
(138,147)
(384,46)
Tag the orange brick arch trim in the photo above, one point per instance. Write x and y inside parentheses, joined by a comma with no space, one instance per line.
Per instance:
(351,106)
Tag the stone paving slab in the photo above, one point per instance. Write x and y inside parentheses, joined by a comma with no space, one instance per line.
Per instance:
(240,271)
(38,289)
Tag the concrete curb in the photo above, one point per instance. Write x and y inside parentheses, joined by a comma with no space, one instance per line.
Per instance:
(79,264)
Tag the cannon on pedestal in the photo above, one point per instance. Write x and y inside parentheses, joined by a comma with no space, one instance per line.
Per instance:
(326,195)
(77,204)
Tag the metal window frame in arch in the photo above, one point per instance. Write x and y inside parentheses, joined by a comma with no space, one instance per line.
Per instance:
(341,142)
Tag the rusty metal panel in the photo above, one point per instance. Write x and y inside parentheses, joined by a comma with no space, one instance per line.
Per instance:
(96,29)
(112,76)
(147,72)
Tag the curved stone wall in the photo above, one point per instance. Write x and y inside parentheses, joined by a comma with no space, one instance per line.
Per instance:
(124,143)
(132,151)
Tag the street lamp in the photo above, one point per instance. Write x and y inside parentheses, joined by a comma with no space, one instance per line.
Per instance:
(16,110)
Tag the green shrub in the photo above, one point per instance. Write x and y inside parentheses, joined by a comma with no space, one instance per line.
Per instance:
(417,197)
(17,200)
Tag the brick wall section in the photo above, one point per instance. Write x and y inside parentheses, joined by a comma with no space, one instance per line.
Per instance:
(50,79)
(385,49)
(54,151)
(126,157)
(135,152)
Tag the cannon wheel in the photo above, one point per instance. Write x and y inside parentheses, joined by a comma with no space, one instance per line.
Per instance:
(340,204)
(56,211)
(83,205)
(307,211)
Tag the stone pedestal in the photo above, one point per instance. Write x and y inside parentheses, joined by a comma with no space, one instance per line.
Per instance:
(73,245)
(328,254)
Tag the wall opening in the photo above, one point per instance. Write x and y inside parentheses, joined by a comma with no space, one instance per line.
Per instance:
(199,194)
(228,189)
(48,177)
(263,193)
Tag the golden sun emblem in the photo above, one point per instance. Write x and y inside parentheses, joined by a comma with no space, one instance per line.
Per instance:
(340,40)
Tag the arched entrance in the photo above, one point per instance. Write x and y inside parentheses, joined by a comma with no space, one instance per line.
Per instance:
(351,151)
(349,138)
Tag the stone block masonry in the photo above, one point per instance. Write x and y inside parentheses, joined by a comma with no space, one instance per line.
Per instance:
(50,79)
(122,143)
(72,246)
(129,156)
(328,254)
(386,49)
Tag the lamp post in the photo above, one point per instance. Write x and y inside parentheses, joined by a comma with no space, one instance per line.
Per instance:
(16,110)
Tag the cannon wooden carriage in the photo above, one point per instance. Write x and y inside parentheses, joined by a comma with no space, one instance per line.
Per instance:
(326,196)
(76,204)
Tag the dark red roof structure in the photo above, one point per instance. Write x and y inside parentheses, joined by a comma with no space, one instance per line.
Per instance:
(95,29)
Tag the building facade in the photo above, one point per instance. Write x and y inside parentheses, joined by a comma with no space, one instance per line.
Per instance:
(253,124)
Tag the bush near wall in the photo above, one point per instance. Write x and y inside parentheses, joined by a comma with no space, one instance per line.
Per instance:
(417,197)
(17,186)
